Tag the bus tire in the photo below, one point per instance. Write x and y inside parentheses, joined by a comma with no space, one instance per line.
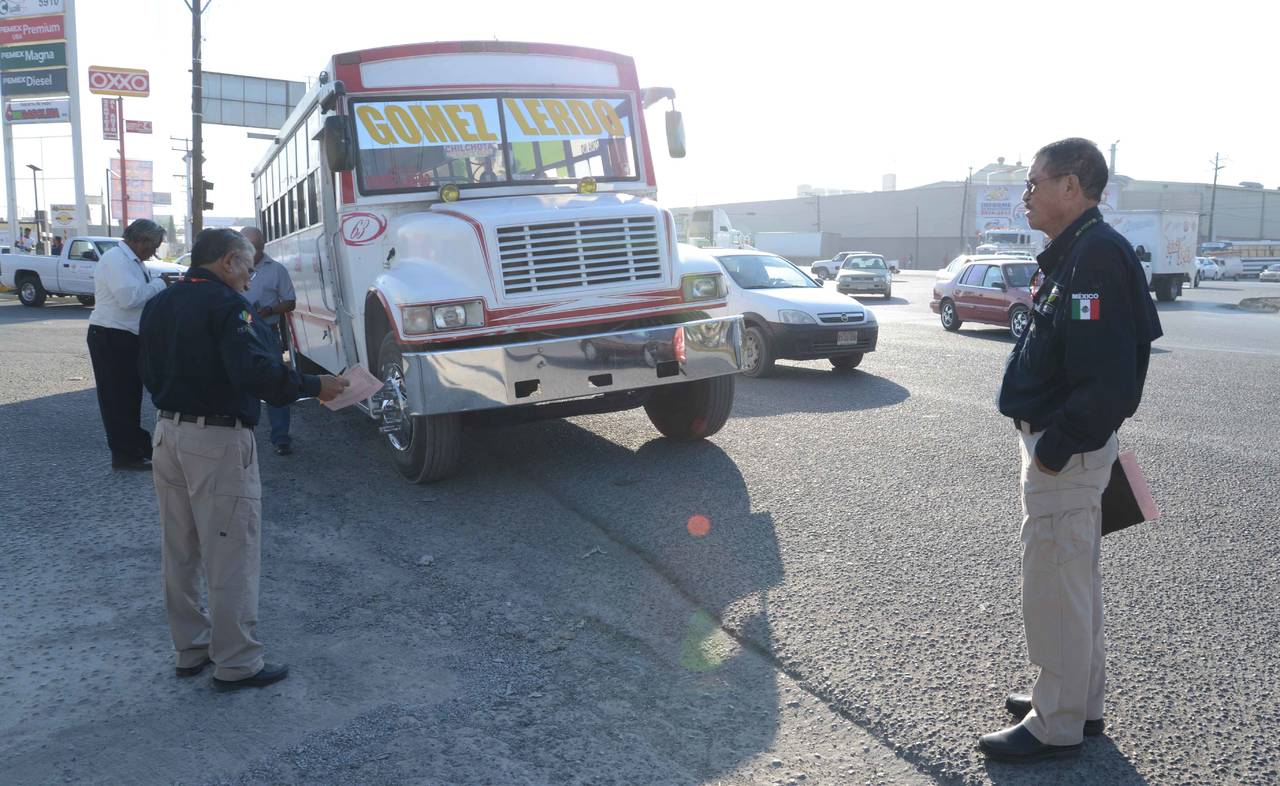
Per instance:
(426,448)
(690,411)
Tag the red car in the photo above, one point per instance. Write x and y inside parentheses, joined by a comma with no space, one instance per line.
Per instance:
(995,290)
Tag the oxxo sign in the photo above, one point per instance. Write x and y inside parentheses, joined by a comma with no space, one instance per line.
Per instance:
(119,81)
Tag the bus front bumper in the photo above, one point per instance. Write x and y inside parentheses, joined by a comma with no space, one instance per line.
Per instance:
(465,380)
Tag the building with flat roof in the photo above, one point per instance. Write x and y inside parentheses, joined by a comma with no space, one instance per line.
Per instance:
(933,223)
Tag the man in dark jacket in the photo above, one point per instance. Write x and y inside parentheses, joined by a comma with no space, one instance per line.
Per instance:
(1073,377)
(207,364)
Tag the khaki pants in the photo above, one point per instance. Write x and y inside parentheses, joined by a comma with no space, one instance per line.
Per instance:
(211,511)
(1062,590)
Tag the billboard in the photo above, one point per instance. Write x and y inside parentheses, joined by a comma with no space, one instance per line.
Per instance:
(53,110)
(39,82)
(105,80)
(139,176)
(254,102)
(13,58)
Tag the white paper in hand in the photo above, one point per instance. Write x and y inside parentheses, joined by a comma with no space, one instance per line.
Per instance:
(363,385)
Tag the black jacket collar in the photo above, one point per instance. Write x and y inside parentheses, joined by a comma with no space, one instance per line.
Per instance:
(1061,245)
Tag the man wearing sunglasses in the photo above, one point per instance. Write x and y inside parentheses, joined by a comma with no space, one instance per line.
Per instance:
(1073,377)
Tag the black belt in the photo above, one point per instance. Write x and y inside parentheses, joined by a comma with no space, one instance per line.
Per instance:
(1018,424)
(209,420)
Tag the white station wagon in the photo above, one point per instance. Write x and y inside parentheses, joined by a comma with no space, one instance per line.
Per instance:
(789,315)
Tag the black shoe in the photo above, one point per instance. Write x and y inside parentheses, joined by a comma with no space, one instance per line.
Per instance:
(284,449)
(1017,744)
(124,462)
(269,673)
(191,671)
(1019,704)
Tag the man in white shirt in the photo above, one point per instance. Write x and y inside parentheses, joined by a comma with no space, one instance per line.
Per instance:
(122,286)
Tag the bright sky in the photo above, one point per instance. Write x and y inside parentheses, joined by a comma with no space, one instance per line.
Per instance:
(773,94)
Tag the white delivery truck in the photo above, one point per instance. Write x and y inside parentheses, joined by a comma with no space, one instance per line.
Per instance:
(799,248)
(1167,239)
(474,222)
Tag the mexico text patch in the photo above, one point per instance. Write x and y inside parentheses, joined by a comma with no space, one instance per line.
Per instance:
(1086,306)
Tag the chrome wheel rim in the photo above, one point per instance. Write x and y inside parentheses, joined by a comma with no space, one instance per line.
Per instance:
(1019,323)
(750,353)
(393,377)
(28,290)
(948,314)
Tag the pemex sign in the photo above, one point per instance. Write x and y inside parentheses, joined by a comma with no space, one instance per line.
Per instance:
(119,81)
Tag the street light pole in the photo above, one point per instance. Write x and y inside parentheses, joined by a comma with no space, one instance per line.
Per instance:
(35,192)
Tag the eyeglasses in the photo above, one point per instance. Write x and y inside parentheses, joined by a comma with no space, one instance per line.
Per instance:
(1031,185)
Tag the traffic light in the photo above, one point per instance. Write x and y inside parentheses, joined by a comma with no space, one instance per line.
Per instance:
(205,188)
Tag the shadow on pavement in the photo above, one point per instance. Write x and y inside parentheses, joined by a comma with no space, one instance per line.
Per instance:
(1100,762)
(684,510)
(16,313)
(799,389)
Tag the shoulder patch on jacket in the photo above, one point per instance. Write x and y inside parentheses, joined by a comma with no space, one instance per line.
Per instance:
(1086,305)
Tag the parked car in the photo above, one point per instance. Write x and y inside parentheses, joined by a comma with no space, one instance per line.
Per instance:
(789,315)
(865,274)
(995,290)
(1206,270)
(36,277)
(1272,273)
(828,268)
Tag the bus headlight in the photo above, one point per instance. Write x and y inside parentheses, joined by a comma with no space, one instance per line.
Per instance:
(703,287)
(451,316)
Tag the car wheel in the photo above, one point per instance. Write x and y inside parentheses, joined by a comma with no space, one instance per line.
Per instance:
(1019,317)
(950,319)
(888,293)
(846,362)
(1195,284)
(30,292)
(757,354)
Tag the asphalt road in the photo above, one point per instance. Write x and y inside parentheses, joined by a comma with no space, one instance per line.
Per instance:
(850,616)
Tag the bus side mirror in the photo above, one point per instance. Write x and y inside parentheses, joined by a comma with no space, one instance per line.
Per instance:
(675,134)
(339,153)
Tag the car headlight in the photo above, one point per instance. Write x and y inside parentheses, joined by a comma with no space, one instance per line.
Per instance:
(709,286)
(451,316)
(789,316)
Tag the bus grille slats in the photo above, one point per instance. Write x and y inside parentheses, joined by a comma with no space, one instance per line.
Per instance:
(578,254)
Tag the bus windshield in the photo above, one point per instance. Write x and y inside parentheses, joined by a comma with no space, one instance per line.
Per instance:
(410,144)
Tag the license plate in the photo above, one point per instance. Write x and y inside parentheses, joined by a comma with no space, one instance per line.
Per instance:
(847,337)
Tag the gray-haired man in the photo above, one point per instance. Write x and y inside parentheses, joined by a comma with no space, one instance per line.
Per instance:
(271,295)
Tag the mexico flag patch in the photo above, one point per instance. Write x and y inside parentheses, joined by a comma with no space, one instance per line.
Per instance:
(1086,307)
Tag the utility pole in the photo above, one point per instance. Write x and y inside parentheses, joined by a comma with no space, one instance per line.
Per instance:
(1213,193)
(964,208)
(196,181)
(915,260)
(185,149)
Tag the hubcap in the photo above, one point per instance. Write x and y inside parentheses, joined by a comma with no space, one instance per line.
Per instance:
(28,291)
(751,353)
(391,407)
(1019,323)
(948,314)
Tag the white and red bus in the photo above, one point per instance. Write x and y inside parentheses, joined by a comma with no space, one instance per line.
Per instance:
(474,223)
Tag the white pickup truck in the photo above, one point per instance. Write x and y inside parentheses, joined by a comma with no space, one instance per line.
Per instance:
(36,277)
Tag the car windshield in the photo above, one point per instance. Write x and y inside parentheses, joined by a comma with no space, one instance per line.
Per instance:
(1019,275)
(412,144)
(1274,268)
(864,263)
(756,271)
